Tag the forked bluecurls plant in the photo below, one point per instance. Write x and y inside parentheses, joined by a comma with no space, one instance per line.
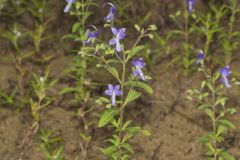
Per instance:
(50,145)
(112,56)
(212,101)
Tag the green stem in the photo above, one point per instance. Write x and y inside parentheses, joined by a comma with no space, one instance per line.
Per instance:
(122,96)
(213,106)
(214,120)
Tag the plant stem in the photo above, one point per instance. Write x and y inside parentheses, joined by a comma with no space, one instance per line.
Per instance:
(122,96)
(213,106)
(214,121)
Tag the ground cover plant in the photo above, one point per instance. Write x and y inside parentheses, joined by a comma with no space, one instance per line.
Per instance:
(119,80)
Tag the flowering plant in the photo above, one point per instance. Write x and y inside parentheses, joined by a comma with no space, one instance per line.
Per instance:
(112,56)
(211,100)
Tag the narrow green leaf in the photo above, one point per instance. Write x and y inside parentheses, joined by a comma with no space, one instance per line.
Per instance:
(126,124)
(85,137)
(125,157)
(75,27)
(113,71)
(226,156)
(221,129)
(137,27)
(68,90)
(132,95)
(142,85)
(227,123)
(134,130)
(107,116)
(128,147)
(109,151)
(146,133)
(134,51)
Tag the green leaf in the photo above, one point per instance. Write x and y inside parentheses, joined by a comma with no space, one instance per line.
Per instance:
(226,156)
(143,85)
(85,137)
(137,27)
(132,95)
(206,108)
(223,126)
(107,116)
(26,55)
(109,151)
(117,139)
(125,157)
(203,84)
(221,129)
(76,26)
(221,100)
(209,112)
(153,27)
(134,130)
(210,87)
(227,123)
(113,71)
(68,90)
(126,124)
(70,36)
(146,133)
(127,147)
(134,51)
(102,100)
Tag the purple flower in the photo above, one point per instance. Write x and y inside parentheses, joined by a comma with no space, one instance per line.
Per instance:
(91,36)
(118,35)
(200,57)
(225,73)
(110,16)
(138,64)
(68,6)
(113,91)
(190,4)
